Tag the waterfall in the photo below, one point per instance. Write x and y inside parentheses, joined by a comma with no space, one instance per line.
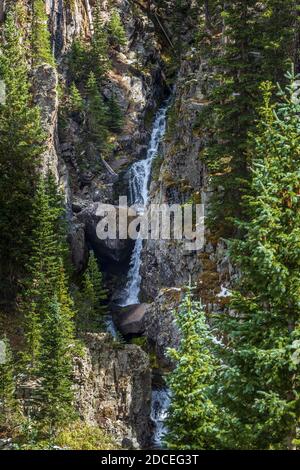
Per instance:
(139,179)
(159,409)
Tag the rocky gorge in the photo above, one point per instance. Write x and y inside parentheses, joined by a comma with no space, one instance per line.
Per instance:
(114,381)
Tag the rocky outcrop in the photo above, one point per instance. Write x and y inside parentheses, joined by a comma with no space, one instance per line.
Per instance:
(113,387)
(111,248)
(44,84)
(182,179)
(160,326)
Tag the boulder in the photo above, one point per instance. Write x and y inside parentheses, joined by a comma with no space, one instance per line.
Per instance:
(130,320)
(116,250)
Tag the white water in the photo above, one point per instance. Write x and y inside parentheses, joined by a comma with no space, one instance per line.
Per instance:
(139,178)
(159,410)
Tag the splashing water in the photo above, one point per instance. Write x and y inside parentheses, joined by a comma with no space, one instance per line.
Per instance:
(159,411)
(139,178)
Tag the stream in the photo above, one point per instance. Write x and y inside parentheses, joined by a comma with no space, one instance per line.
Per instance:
(139,176)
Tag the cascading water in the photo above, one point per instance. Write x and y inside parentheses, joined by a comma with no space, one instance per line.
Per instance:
(159,409)
(139,178)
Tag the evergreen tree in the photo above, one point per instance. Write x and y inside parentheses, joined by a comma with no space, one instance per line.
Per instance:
(115,118)
(8,403)
(41,46)
(116,30)
(99,59)
(257,41)
(76,101)
(21,144)
(78,60)
(260,379)
(55,395)
(92,298)
(193,417)
(44,266)
(96,114)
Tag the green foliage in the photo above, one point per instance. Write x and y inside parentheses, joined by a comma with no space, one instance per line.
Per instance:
(76,103)
(96,115)
(21,144)
(40,35)
(117,35)
(258,40)
(260,376)
(55,395)
(91,299)
(99,57)
(9,408)
(75,436)
(47,251)
(80,436)
(192,415)
(78,60)
(115,121)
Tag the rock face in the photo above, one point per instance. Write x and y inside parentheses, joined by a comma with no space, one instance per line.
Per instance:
(45,82)
(113,387)
(182,179)
(159,324)
(114,249)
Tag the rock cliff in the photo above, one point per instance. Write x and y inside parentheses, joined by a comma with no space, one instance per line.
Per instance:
(113,384)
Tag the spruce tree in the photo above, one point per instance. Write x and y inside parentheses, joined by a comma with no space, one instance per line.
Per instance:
(9,408)
(259,382)
(55,395)
(21,144)
(41,46)
(115,117)
(257,42)
(75,100)
(116,30)
(193,417)
(47,252)
(99,59)
(92,297)
(96,115)
(78,60)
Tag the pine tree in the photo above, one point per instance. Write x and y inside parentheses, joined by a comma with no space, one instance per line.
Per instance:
(260,378)
(99,59)
(91,304)
(41,46)
(78,60)
(9,408)
(44,265)
(21,144)
(76,101)
(55,395)
(116,30)
(115,118)
(96,114)
(193,417)
(253,50)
